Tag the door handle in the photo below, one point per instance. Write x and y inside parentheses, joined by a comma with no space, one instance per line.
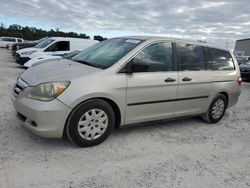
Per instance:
(186,79)
(170,80)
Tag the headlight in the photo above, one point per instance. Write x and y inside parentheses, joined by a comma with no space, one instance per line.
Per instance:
(28,53)
(48,91)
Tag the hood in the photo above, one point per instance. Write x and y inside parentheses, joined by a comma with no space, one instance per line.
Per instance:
(41,59)
(28,44)
(45,57)
(244,66)
(24,43)
(58,70)
(21,45)
(28,49)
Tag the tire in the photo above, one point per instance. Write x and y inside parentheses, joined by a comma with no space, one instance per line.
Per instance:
(90,123)
(213,115)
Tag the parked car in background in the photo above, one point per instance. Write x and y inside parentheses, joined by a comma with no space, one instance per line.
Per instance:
(124,81)
(5,41)
(18,46)
(241,59)
(56,46)
(245,70)
(49,58)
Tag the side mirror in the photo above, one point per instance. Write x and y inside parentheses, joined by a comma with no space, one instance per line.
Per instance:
(140,67)
(132,66)
(127,68)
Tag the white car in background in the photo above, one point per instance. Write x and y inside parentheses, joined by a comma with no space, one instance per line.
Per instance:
(55,46)
(49,58)
(5,41)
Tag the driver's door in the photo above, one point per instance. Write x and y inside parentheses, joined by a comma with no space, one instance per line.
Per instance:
(152,86)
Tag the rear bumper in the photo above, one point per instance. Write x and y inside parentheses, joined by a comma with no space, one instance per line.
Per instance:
(45,119)
(233,98)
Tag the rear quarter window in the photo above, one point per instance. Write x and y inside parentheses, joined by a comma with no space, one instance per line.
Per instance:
(220,60)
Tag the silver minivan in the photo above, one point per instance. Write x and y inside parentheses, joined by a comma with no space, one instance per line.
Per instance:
(124,81)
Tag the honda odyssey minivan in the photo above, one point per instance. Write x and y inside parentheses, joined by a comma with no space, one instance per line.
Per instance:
(124,81)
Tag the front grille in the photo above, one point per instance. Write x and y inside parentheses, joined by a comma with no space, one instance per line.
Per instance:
(20,86)
(18,89)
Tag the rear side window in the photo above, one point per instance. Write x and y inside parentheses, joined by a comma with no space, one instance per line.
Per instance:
(190,57)
(19,40)
(58,46)
(219,60)
(156,57)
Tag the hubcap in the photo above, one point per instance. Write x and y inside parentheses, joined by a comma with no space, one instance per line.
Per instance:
(218,109)
(93,124)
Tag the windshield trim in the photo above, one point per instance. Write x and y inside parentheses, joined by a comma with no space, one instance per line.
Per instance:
(89,64)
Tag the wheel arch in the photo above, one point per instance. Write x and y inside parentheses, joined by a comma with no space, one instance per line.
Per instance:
(226,95)
(111,102)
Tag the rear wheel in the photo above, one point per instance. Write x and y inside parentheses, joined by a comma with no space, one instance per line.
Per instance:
(216,109)
(90,123)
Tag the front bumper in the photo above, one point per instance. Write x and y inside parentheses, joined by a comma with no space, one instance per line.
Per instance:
(45,119)
(21,60)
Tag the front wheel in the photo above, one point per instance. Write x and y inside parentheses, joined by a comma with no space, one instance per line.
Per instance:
(216,109)
(90,123)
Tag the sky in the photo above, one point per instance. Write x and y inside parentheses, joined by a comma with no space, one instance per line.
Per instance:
(216,21)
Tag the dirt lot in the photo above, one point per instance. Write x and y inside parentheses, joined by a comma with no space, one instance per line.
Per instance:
(182,153)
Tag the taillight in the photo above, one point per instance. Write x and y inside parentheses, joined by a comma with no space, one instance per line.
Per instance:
(239,80)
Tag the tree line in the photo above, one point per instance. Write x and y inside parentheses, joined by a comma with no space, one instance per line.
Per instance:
(32,33)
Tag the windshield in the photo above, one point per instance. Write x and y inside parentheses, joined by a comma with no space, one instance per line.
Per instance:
(105,54)
(44,43)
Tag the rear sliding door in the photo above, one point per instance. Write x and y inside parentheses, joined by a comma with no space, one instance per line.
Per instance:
(195,82)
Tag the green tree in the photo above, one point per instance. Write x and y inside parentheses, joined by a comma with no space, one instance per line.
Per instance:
(32,33)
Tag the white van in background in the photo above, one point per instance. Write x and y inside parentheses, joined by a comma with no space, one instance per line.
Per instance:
(49,58)
(55,46)
(5,41)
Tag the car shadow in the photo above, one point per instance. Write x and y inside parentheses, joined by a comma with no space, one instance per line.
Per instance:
(120,133)
(168,124)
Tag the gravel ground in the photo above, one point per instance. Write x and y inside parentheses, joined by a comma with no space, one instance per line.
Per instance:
(181,153)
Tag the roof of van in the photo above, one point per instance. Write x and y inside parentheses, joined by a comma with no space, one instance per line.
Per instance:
(243,39)
(69,38)
(198,42)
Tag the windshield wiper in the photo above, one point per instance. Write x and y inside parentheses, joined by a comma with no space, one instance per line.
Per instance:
(87,63)
(84,62)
